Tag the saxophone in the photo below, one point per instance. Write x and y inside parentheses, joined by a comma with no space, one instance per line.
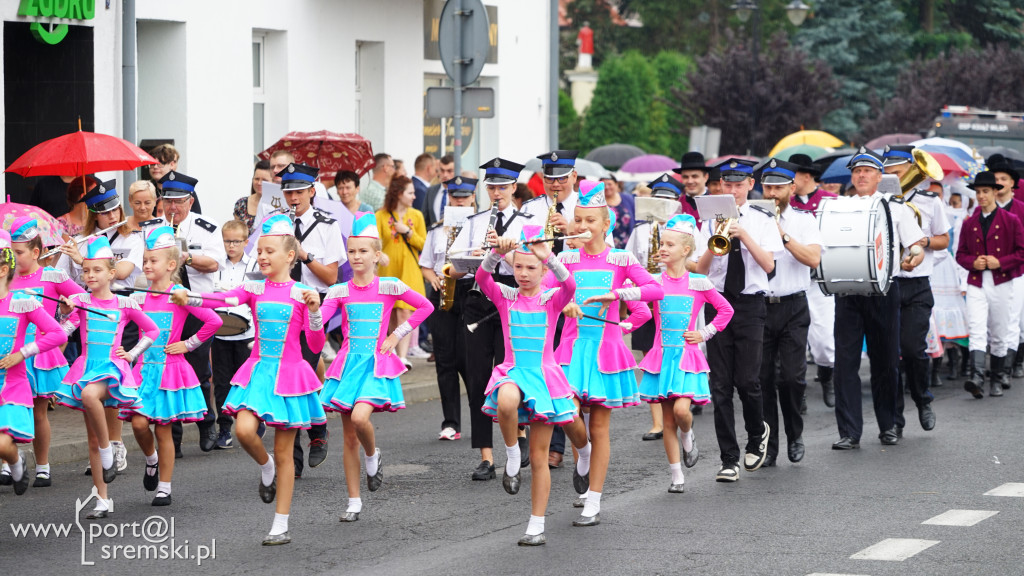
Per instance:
(448,283)
(549,226)
(653,266)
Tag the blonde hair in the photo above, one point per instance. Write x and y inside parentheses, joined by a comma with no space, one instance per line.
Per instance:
(173,255)
(139,186)
(236,225)
(290,244)
(91,225)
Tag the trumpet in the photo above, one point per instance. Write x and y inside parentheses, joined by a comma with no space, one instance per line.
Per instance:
(86,239)
(719,244)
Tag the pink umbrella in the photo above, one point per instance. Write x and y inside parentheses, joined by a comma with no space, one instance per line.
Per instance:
(50,228)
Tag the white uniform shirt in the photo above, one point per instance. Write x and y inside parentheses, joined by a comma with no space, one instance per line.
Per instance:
(762,228)
(433,255)
(231,275)
(202,236)
(474,231)
(790,275)
(639,243)
(323,243)
(539,208)
(128,248)
(933,223)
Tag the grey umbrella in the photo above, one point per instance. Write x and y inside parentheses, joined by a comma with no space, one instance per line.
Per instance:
(613,156)
(1011,153)
(585,168)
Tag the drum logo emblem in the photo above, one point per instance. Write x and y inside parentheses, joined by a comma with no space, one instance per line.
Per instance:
(879,255)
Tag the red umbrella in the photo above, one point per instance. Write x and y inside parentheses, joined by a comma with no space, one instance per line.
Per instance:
(78,154)
(331,152)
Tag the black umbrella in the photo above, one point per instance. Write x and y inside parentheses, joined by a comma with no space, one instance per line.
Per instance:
(613,156)
(1009,153)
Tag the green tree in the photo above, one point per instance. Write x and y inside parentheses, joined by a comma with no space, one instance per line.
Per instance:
(671,69)
(865,44)
(569,123)
(987,21)
(621,109)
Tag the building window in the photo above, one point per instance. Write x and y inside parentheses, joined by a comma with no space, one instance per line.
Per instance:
(259,96)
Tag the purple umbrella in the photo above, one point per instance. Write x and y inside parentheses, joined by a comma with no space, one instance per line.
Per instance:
(649,163)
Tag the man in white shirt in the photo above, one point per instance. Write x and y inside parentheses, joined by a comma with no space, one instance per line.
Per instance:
(788,315)
(916,300)
(872,317)
(734,355)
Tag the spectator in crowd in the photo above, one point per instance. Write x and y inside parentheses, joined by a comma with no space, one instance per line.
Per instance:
(402,234)
(279,160)
(400,169)
(48,194)
(74,220)
(142,198)
(383,170)
(426,170)
(247,206)
(167,157)
(624,206)
(346,183)
(437,198)
(522,194)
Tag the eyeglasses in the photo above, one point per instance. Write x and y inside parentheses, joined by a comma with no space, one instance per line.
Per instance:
(560,179)
(234,242)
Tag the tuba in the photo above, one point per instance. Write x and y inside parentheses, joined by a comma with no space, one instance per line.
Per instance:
(924,165)
(719,244)
(653,266)
(448,283)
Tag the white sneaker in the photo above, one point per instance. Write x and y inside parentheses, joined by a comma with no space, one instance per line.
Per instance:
(120,455)
(417,352)
(328,353)
(449,433)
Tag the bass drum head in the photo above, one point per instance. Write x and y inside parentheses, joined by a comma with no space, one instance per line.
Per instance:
(233,324)
(883,236)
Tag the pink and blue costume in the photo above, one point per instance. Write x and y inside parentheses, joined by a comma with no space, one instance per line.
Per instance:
(529,325)
(18,313)
(101,337)
(47,369)
(360,373)
(675,368)
(275,383)
(609,381)
(168,387)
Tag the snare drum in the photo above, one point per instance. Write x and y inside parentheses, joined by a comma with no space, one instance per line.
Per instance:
(234,324)
(856,241)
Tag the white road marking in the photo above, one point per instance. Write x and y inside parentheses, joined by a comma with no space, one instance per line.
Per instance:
(831,574)
(894,549)
(1015,489)
(960,517)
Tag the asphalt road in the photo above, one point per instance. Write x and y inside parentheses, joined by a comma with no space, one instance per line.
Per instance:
(429,518)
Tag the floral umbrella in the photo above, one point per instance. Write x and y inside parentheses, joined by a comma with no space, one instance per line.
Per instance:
(331,152)
(50,228)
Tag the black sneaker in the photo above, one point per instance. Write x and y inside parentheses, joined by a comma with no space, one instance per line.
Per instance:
(485,471)
(317,451)
(728,473)
(224,441)
(754,459)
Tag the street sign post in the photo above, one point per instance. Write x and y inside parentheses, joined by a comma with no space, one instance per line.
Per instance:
(476,102)
(463,44)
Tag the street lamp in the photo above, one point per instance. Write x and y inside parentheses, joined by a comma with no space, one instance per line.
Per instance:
(796,11)
(744,9)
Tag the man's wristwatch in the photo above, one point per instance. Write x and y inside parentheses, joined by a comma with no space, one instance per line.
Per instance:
(309,258)
(188,261)
(785,239)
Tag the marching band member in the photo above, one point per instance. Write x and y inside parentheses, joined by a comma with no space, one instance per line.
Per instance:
(449,338)
(807,197)
(45,370)
(735,354)
(599,273)
(1007,176)
(991,248)
(274,386)
(363,378)
(916,299)
(167,386)
(20,314)
(675,371)
(204,250)
(488,350)
(787,316)
(102,376)
(874,317)
(528,388)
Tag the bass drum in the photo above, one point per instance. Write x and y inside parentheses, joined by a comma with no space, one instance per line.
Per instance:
(857,250)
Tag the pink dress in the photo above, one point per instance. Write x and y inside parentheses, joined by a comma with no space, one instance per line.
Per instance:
(47,369)
(275,383)
(609,381)
(18,313)
(360,373)
(168,388)
(99,363)
(529,326)
(674,368)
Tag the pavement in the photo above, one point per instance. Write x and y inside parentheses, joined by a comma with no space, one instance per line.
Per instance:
(949,501)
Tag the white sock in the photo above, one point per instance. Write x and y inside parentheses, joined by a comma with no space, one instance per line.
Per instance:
(687,440)
(584,495)
(163,488)
(583,462)
(107,456)
(515,459)
(593,505)
(151,460)
(104,504)
(5,467)
(18,469)
(267,471)
(536,526)
(371,462)
(280,524)
(677,472)
(355,505)
(42,469)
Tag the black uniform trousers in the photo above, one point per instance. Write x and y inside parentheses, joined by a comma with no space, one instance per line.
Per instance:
(199,360)
(877,319)
(734,356)
(449,332)
(485,349)
(316,431)
(916,303)
(558,434)
(230,355)
(784,365)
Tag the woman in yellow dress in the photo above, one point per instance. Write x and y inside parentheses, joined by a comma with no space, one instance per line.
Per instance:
(402,234)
